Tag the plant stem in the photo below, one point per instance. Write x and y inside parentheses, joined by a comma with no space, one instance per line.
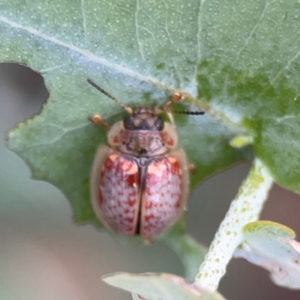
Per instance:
(245,208)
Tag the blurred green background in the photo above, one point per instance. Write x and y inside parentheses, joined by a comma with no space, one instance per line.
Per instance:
(44,256)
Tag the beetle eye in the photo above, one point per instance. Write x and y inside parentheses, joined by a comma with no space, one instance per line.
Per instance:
(159,123)
(128,124)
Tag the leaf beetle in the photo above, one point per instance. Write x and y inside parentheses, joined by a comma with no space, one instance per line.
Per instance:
(140,181)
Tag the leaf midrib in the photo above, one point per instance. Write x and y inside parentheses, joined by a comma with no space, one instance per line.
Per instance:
(89,56)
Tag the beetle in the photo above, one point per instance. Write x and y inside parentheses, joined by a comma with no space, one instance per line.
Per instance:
(140,181)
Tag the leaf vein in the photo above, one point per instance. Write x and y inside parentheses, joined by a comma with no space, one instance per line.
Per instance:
(83,16)
(253,30)
(88,55)
(201,3)
(277,76)
(137,29)
(64,131)
(166,21)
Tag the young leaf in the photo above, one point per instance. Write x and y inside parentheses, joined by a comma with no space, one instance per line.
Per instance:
(272,246)
(151,286)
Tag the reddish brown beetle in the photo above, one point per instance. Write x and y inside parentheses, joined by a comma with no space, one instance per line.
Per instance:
(140,182)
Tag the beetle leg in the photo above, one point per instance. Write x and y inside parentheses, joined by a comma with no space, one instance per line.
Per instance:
(175,98)
(147,241)
(191,168)
(96,119)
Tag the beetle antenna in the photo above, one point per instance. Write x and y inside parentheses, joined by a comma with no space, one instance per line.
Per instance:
(186,112)
(127,108)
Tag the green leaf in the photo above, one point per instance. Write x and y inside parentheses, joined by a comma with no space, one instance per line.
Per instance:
(272,246)
(138,51)
(249,69)
(151,286)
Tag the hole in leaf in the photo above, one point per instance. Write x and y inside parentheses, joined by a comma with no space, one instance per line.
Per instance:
(22,94)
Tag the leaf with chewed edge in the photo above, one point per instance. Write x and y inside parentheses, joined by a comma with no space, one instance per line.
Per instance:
(139,52)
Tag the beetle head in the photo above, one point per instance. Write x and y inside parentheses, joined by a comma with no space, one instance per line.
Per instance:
(143,118)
